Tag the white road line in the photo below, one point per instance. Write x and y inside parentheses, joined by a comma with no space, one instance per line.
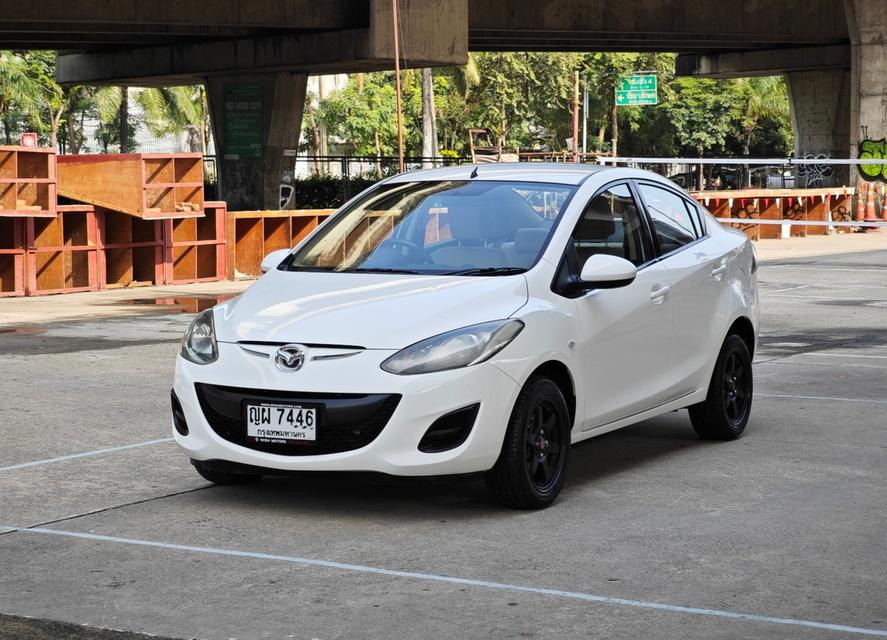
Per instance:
(502,586)
(85,454)
(827,399)
(832,354)
(795,288)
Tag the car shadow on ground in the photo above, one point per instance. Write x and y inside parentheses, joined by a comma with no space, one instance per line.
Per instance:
(358,494)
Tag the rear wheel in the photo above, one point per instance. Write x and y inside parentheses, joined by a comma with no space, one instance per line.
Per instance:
(532,466)
(725,411)
(224,477)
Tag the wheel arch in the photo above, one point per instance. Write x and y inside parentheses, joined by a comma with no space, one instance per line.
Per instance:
(744,328)
(559,373)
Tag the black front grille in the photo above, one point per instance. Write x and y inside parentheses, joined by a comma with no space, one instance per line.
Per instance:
(346,421)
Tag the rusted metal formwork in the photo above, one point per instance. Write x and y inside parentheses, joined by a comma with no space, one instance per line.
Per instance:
(252,235)
(151,186)
(195,248)
(27,182)
(62,252)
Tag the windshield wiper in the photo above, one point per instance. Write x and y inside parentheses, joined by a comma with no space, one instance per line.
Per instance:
(487,271)
(377,270)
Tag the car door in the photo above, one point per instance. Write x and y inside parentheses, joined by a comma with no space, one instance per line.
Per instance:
(695,266)
(625,332)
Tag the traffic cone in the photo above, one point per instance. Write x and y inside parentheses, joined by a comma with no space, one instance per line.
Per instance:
(861,192)
(870,209)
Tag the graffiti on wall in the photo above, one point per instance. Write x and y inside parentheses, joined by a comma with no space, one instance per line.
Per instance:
(873,150)
(812,175)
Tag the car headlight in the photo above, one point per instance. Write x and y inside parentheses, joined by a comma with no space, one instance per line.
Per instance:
(454,349)
(199,343)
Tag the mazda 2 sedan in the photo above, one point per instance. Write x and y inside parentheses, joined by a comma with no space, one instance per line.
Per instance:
(475,320)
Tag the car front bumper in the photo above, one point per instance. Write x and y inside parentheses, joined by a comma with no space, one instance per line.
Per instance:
(423,399)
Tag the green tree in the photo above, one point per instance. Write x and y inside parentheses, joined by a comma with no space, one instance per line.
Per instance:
(22,96)
(177,109)
(702,114)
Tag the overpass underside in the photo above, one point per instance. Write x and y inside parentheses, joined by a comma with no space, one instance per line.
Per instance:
(256,56)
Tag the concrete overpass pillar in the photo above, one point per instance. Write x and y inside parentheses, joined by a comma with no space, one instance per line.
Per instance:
(867,24)
(820,109)
(256,118)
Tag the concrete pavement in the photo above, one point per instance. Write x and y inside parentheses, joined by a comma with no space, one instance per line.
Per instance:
(657,534)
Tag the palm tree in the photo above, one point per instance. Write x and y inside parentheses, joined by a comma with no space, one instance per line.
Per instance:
(762,98)
(19,92)
(177,109)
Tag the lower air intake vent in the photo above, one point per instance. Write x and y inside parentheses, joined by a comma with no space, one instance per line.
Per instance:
(449,431)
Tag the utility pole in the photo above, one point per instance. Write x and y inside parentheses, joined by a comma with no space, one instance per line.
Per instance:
(397,82)
(584,116)
(576,116)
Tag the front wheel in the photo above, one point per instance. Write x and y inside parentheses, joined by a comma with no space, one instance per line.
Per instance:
(532,466)
(725,411)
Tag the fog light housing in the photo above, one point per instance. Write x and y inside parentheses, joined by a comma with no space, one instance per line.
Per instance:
(449,431)
(178,415)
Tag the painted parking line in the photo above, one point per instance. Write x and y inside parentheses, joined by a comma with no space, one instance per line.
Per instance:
(832,354)
(824,398)
(86,454)
(501,586)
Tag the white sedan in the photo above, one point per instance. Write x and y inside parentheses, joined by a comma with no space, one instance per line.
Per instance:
(475,319)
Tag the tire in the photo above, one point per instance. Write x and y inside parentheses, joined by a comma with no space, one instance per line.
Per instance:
(532,465)
(224,477)
(725,412)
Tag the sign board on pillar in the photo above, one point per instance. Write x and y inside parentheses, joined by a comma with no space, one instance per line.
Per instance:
(636,90)
(243,121)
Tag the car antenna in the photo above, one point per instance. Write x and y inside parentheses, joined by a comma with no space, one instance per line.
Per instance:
(473,173)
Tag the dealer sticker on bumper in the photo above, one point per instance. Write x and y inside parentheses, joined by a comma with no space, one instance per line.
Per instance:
(281,423)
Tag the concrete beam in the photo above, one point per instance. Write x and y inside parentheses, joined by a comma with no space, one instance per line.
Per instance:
(92,15)
(769,62)
(426,40)
(666,25)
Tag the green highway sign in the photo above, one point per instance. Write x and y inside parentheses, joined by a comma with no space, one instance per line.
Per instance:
(636,90)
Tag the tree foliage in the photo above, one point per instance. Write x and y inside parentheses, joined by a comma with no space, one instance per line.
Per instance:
(525,99)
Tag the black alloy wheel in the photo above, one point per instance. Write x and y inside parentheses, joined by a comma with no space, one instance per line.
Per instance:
(737,390)
(532,465)
(543,445)
(727,407)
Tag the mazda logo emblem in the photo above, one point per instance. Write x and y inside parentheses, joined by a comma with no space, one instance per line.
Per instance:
(290,357)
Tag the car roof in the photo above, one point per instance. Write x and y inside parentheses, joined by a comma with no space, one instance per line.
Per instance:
(552,172)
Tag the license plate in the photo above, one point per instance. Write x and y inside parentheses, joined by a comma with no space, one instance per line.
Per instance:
(281,423)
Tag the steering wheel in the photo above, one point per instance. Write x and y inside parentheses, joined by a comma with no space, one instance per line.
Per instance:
(414,250)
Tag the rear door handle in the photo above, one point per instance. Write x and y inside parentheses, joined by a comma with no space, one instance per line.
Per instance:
(658,295)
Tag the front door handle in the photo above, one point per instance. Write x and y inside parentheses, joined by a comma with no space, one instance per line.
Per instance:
(717,272)
(658,295)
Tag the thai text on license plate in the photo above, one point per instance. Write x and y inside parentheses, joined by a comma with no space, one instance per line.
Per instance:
(281,423)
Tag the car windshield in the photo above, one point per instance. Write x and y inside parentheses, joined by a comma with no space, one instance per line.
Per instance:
(441,227)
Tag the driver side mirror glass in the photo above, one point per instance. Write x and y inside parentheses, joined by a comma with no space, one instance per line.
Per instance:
(603,271)
(273,259)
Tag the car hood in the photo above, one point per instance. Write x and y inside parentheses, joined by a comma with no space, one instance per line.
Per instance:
(376,311)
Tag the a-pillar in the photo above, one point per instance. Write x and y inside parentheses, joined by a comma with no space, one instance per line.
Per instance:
(867,25)
(256,122)
(820,110)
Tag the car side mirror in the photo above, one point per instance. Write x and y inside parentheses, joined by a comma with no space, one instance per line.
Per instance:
(273,259)
(602,271)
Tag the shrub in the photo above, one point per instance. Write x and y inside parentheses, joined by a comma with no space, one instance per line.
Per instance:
(325,191)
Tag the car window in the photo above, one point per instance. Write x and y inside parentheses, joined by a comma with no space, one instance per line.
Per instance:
(439,227)
(610,224)
(671,220)
(697,216)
